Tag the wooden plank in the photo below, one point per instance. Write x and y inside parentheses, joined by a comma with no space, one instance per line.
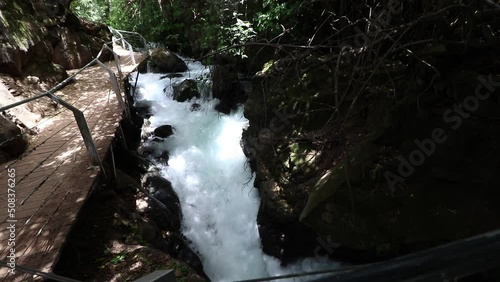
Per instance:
(53,180)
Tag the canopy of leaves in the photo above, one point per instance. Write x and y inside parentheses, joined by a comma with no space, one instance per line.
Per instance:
(198,25)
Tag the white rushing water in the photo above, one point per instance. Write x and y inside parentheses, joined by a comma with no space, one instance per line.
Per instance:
(208,172)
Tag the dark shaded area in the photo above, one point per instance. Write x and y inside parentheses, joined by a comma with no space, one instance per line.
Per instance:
(164,131)
(227,87)
(380,142)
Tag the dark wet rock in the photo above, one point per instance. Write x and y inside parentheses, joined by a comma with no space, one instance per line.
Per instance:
(164,131)
(165,214)
(75,49)
(146,150)
(223,108)
(163,157)
(131,162)
(283,235)
(124,182)
(195,107)
(162,61)
(131,131)
(145,111)
(167,196)
(186,90)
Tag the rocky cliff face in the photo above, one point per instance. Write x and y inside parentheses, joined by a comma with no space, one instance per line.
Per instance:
(43,39)
(39,41)
(400,170)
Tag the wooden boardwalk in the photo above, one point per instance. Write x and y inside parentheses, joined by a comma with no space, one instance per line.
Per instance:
(54,179)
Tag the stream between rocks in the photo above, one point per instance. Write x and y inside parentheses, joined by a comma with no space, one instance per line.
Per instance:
(197,149)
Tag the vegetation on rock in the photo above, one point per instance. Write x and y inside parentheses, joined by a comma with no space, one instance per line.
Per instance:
(343,126)
(373,124)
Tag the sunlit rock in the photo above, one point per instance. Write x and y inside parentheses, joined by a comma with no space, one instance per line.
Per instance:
(227,88)
(162,61)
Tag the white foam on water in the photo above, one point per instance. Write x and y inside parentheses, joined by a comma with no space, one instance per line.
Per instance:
(209,173)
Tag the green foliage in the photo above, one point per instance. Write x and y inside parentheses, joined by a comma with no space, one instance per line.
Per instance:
(274,15)
(150,19)
(239,33)
(118,258)
(202,25)
(93,10)
(23,31)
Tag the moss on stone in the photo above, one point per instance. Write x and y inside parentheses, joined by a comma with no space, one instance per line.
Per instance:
(22,30)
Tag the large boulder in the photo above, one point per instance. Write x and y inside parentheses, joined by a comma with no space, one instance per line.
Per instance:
(69,52)
(38,63)
(10,61)
(94,36)
(164,131)
(186,90)
(163,61)
(78,41)
(12,141)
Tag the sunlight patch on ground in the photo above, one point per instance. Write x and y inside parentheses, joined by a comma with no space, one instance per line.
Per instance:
(68,153)
(49,164)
